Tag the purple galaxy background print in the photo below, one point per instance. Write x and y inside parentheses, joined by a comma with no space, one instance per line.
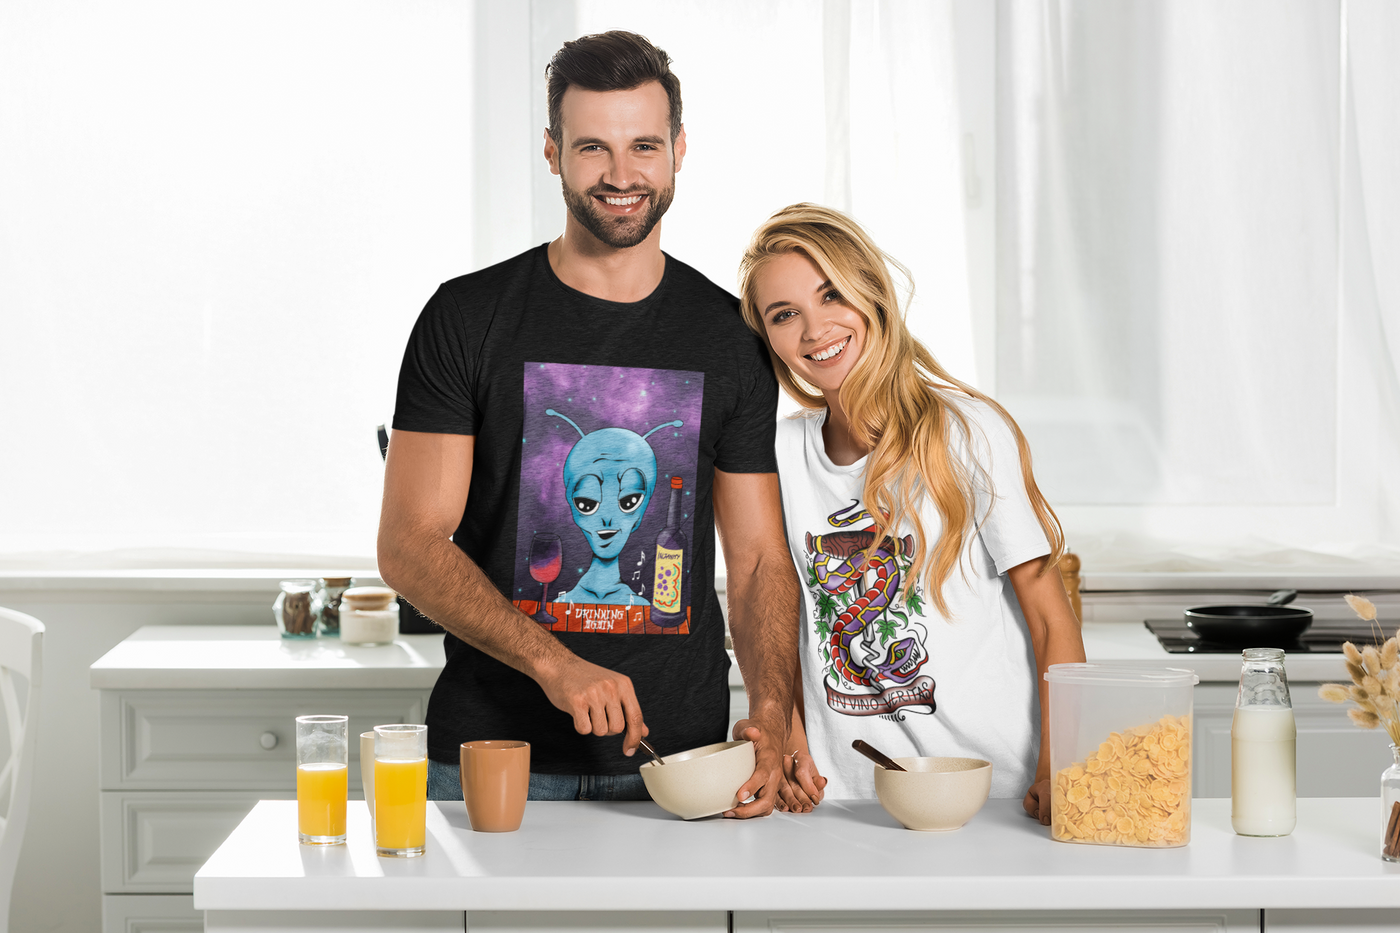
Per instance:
(587,475)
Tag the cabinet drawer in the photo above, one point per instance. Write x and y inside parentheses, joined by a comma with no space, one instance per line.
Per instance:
(999,921)
(154,842)
(216,739)
(150,913)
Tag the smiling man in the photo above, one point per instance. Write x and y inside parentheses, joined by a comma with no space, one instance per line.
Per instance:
(572,425)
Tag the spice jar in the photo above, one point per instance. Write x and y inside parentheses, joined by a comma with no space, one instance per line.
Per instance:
(369,615)
(297,609)
(330,590)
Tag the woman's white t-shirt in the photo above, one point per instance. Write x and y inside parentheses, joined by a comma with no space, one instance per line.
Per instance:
(871,658)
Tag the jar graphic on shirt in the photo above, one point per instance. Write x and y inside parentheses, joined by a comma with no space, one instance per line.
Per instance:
(873,651)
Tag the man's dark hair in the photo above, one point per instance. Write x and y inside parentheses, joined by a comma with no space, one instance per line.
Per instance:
(609,61)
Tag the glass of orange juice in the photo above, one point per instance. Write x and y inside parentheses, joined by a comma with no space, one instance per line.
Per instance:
(323,775)
(400,790)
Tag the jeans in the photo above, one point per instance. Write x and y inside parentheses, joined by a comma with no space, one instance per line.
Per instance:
(445,783)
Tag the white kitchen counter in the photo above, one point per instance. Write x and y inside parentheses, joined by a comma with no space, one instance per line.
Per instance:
(1133,645)
(238,657)
(634,856)
(252,657)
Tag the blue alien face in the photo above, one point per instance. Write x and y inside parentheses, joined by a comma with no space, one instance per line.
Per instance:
(608,478)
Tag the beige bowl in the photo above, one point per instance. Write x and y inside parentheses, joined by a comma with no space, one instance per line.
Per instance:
(702,781)
(934,794)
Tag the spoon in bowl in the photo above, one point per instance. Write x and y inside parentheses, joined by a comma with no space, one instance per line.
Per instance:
(877,756)
(650,751)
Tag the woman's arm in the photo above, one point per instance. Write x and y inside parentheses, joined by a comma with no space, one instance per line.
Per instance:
(803,786)
(1056,638)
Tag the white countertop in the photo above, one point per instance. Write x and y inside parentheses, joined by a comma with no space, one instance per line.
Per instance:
(236,657)
(251,657)
(216,657)
(1132,645)
(591,856)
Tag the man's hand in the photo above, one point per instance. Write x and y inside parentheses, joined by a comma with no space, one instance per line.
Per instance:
(1037,802)
(601,701)
(803,786)
(767,776)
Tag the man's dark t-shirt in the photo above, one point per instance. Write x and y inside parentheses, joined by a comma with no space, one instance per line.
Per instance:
(598,427)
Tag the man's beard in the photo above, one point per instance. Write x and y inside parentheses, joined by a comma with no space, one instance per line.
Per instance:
(619,232)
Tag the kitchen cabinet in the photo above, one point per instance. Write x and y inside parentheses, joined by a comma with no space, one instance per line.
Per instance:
(1335,758)
(198,726)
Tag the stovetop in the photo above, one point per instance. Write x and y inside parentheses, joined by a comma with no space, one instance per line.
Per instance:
(1324,636)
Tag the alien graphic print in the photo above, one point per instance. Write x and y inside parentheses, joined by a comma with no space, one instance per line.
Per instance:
(607,493)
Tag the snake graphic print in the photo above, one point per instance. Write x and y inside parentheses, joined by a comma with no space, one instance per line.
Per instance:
(872,649)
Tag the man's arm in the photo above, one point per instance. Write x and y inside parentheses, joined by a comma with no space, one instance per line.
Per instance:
(1057,639)
(763,606)
(426,480)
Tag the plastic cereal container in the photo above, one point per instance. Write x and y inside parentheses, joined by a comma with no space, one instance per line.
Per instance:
(1120,755)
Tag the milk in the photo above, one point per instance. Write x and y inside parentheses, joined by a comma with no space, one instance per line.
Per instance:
(1263,771)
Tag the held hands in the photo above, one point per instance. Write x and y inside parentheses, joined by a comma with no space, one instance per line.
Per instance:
(1037,802)
(767,773)
(601,701)
(803,786)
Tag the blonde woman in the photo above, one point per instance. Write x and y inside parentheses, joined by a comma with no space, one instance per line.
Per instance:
(928,554)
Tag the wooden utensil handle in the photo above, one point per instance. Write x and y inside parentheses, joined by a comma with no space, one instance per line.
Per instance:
(879,757)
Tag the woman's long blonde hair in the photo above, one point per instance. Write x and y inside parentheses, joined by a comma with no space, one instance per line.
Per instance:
(896,395)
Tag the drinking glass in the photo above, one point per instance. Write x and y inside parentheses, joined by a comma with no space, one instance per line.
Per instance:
(546,560)
(323,776)
(400,790)
(367,771)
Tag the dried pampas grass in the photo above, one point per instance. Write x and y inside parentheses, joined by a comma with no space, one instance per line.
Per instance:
(1375,677)
(1362,606)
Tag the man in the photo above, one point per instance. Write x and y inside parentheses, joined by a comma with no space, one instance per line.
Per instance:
(571,425)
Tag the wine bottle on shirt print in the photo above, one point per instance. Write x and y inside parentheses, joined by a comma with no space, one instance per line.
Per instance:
(666,608)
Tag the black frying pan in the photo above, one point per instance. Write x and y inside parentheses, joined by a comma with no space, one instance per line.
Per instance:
(1270,626)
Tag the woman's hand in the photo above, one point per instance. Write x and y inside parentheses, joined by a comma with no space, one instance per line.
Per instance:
(1037,802)
(803,786)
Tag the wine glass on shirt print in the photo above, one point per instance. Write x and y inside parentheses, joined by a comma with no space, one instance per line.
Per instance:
(546,560)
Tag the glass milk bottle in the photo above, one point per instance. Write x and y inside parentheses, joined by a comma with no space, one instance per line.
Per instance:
(1263,749)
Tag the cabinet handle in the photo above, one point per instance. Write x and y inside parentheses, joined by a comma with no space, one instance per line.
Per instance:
(268,740)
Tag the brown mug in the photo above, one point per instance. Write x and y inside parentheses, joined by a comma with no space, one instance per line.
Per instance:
(495,783)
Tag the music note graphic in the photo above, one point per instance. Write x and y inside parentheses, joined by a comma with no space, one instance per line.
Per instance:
(636,575)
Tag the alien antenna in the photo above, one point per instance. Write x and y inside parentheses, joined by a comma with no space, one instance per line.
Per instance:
(551,411)
(668,424)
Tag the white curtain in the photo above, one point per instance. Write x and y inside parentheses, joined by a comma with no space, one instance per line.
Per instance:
(1159,232)
(1190,327)
(851,103)
(219,220)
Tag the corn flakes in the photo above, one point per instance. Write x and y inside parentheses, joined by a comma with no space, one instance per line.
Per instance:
(1135,790)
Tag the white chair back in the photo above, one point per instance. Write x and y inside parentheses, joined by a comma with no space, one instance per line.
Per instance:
(22,653)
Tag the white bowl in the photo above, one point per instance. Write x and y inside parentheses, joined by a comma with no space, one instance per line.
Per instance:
(934,794)
(700,782)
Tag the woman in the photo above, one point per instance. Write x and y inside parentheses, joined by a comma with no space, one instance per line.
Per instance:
(927,551)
